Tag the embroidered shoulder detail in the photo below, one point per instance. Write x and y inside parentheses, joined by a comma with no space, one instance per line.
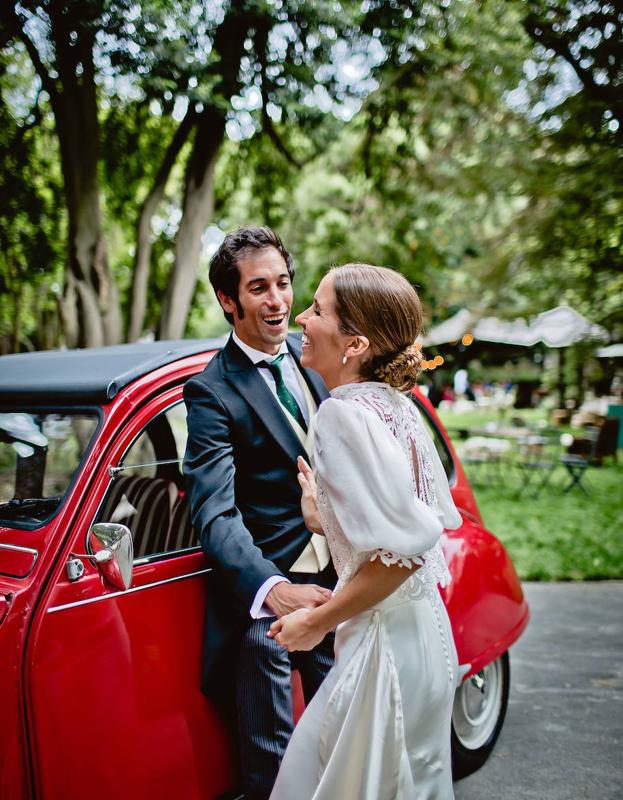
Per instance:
(390,558)
(401,416)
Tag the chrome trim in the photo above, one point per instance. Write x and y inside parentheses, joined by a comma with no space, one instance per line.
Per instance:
(114,471)
(16,547)
(20,548)
(89,600)
(159,557)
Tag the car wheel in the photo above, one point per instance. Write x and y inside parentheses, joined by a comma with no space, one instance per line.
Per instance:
(478,715)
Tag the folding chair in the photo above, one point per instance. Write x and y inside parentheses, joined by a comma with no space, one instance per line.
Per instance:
(483,457)
(576,464)
(600,443)
(536,462)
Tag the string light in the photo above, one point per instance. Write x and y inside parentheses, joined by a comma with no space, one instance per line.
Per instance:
(467,339)
(431,363)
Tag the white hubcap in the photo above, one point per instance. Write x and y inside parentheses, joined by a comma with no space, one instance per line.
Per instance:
(477,706)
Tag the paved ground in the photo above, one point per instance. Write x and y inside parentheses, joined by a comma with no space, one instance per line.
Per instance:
(563,735)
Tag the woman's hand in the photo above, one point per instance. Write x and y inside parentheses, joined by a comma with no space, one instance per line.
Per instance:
(309,507)
(297,631)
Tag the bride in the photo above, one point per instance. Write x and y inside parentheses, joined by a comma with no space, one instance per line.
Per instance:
(379,726)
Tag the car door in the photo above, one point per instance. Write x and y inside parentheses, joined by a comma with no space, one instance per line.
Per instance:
(113,677)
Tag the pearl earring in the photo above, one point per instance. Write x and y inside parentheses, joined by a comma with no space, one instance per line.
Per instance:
(345,359)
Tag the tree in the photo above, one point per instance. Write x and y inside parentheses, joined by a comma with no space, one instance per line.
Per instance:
(206,56)
(31,225)
(424,177)
(265,61)
(59,37)
(445,139)
(566,243)
(588,37)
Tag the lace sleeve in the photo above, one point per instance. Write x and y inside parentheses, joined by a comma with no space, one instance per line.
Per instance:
(413,541)
(389,558)
(368,482)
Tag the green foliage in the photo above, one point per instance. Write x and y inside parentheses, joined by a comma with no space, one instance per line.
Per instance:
(557,536)
(566,243)
(31,222)
(476,147)
(560,536)
(417,180)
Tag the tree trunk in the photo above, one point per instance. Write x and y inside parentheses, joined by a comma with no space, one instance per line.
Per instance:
(89,281)
(562,381)
(90,303)
(46,319)
(17,308)
(197,213)
(143,228)
(14,291)
(199,190)
(579,376)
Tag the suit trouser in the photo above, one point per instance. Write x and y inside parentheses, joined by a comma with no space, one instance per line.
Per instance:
(264,698)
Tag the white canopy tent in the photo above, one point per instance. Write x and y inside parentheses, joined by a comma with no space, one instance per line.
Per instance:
(558,327)
(451,330)
(612,351)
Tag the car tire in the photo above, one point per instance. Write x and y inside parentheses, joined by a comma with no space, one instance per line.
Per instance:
(478,714)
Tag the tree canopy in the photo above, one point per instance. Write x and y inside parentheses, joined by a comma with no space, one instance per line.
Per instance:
(476,147)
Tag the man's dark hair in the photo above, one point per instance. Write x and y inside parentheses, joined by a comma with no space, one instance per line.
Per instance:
(224,272)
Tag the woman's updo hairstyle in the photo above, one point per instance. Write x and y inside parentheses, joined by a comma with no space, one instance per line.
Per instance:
(381,304)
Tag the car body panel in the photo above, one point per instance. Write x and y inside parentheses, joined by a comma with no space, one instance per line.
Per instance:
(130,684)
(485,601)
(100,691)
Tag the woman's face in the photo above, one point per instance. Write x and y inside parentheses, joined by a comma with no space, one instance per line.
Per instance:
(324,344)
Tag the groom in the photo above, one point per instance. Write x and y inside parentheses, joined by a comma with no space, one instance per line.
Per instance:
(249,416)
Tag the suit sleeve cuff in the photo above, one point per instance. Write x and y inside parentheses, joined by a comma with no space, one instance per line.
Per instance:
(258,609)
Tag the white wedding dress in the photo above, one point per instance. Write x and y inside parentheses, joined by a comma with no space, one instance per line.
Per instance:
(379,726)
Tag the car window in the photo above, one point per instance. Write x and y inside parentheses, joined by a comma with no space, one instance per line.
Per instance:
(440,445)
(39,455)
(147,492)
(141,457)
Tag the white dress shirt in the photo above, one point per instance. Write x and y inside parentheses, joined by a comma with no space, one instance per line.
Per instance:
(288,370)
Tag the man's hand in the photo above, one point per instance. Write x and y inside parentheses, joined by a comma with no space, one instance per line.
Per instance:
(309,506)
(285,597)
(297,631)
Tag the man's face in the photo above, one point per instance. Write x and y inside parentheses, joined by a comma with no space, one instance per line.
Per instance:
(265,296)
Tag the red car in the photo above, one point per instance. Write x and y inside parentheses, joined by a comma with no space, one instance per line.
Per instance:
(103,586)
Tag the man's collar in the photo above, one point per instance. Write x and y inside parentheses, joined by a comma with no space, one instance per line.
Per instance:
(257,355)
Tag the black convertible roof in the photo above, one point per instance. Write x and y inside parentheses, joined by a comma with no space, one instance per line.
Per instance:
(93,375)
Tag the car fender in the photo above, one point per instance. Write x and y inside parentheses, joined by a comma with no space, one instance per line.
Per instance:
(485,601)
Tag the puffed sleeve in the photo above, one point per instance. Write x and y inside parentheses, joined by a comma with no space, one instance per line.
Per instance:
(367,479)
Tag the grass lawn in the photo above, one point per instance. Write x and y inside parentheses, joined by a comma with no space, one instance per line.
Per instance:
(556,536)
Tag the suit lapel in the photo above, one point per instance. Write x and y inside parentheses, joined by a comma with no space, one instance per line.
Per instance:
(245,378)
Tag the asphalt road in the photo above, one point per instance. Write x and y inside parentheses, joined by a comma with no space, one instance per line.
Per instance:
(563,734)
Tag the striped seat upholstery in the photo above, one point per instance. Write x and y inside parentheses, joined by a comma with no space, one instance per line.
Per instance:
(181,532)
(154,510)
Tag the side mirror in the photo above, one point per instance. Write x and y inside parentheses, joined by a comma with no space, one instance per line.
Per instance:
(113,552)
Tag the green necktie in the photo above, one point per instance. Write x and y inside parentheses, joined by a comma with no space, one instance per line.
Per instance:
(283,393)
